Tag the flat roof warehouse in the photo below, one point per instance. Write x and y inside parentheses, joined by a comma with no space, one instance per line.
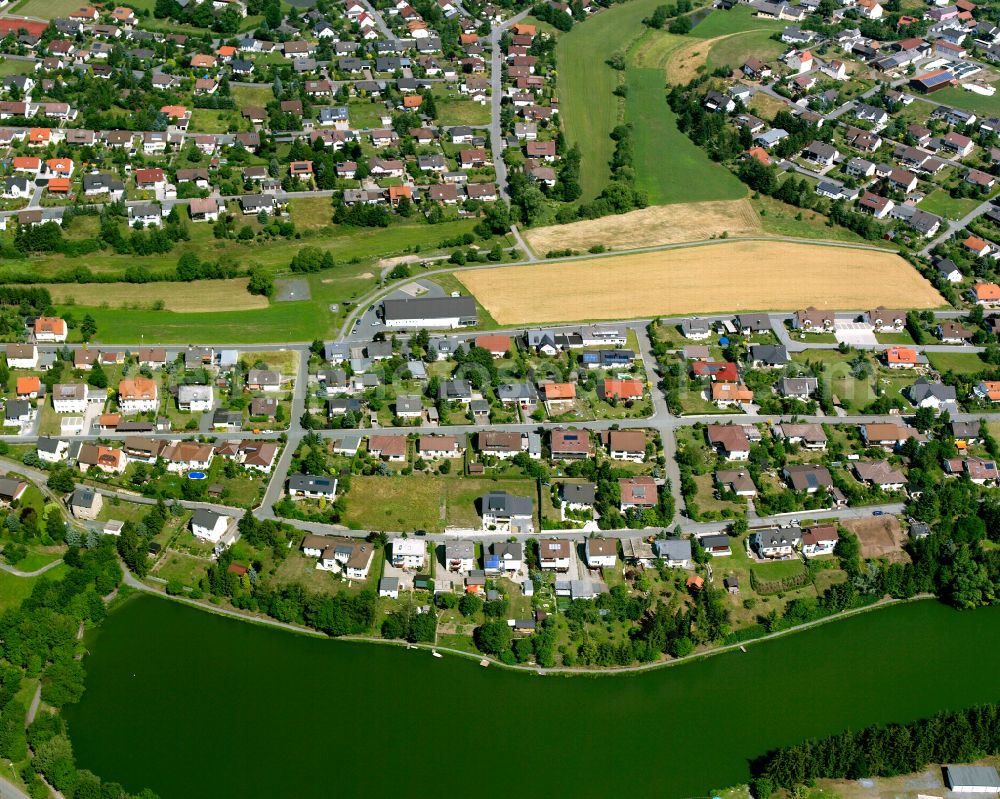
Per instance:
(430,311)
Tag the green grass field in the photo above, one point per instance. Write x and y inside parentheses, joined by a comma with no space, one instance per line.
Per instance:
(345,244)
(735,50)
(984,106)
(736,20)
(588,108)
(251,95)
(422,502)
(14,589)
(206,120)
(16,67)
(943,204)
(46,9)
(668,165)
(961,362)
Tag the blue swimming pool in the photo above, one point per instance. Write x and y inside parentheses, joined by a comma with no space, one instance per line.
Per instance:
(197,475)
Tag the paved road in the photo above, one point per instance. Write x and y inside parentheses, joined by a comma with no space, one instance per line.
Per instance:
(496,95)
(18,573)
(955,226)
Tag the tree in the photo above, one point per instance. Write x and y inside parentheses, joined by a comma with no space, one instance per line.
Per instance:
(88,328)
(97,377)
(493,637)
(470,605)
(61,481)
(261,282)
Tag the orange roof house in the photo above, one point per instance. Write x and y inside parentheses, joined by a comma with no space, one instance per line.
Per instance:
(521,29)
(201,60)
(137,388)
(39,136)
(560,392)
(175,111)
(976,245)
(731,393)
(26,163)
(987,292)
(498,346)
(63,167)
(226,51)
(759,154)
(989,389)
(28,386)
(412,101)
(623,389)
(695,581)
(901,356)
(397,193)
(59,185)
(50,328)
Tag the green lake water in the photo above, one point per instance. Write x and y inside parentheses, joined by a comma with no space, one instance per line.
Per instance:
(195,705)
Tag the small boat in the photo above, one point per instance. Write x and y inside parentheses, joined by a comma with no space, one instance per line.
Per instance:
(743,649)
(436,653)
(484,663)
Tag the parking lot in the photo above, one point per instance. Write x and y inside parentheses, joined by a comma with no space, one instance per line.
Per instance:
(857,334)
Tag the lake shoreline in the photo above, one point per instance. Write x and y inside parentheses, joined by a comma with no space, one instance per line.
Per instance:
(226,699)
(560,671)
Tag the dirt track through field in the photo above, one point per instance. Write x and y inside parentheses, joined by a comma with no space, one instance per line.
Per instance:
(729,276)
(651,227)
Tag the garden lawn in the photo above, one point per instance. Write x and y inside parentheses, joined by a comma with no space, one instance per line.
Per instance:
(9,67)
(779,569)
(251,95)
(668,165)
(207,120)
(310,213)
(462,112)
(943,204)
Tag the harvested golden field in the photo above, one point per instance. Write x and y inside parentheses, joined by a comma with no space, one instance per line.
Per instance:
(651,227)
(195,297)
(727,276)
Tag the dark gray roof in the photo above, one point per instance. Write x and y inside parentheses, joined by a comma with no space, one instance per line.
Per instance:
(580,493)
(205,518)
(83,497)
(673,548)
(430,308)
(459,549)
(311,482)
(973,777)
(46,444)
(503,504)
(769,353)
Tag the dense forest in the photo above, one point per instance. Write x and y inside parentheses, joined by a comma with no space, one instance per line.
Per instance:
(882,751)
(38,640)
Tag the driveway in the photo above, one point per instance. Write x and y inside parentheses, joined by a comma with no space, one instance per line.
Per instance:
(857,334)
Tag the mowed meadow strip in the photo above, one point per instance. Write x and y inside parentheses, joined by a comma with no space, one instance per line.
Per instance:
(728,276)
(650,227)
(196,297)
